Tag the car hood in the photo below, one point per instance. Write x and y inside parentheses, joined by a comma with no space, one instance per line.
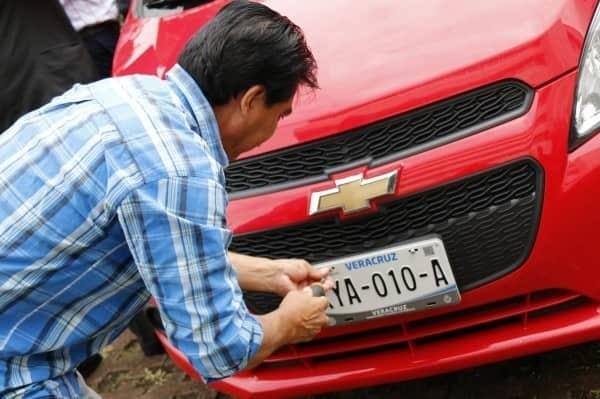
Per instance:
(378,58)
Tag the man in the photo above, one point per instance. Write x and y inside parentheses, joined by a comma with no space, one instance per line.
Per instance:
(115,191)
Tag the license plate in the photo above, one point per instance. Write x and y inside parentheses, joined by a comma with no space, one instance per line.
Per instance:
(406,278)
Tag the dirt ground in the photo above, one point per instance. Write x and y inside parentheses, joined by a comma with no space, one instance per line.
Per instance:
(572,373)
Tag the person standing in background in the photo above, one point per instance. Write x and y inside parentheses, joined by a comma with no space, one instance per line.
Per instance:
(97,22)
(41,56)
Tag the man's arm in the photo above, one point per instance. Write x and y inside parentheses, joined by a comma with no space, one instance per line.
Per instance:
(175,229)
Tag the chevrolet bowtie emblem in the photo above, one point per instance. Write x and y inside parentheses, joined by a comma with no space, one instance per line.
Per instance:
(353,193)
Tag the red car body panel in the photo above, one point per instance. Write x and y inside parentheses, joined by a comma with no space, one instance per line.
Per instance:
(382,58)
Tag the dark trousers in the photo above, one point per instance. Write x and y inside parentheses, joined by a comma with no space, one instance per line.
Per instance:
(101,41)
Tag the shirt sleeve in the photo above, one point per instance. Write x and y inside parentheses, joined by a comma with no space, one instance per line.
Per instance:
(175,229)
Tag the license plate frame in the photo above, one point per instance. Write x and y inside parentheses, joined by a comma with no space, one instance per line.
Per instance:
(415,276)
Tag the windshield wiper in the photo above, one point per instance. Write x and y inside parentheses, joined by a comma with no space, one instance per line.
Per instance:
(174,3)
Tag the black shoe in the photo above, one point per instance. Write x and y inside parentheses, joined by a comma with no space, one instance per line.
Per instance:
(143,327)
(89,365)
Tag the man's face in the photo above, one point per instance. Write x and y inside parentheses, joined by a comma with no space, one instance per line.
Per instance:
(253,121)
(262,120)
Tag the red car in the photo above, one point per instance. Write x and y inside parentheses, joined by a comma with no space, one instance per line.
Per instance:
(448,170)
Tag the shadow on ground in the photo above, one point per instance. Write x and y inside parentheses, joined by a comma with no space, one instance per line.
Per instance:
(572,373)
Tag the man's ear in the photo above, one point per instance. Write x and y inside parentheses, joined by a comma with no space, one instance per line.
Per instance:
(253,97)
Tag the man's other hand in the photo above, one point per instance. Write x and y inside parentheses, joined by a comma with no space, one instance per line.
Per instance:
(299,318)
(302,315)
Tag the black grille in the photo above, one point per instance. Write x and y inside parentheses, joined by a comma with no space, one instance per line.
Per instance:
(487,223)
(383,141)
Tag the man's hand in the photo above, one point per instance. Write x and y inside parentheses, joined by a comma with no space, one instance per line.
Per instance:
(303,316)
(299,318)
(294,274)
(279,276)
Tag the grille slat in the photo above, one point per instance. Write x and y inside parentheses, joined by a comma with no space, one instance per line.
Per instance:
(392,138)
(487,223)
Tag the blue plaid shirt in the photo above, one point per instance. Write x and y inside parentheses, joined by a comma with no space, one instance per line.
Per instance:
(110,193)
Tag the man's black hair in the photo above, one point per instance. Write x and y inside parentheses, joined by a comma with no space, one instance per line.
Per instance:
(249,44)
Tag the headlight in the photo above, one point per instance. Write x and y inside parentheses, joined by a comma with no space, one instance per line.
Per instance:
(586,118)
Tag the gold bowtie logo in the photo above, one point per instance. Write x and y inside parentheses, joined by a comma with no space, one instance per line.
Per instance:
(353,193)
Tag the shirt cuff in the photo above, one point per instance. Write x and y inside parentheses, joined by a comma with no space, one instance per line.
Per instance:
(247,346)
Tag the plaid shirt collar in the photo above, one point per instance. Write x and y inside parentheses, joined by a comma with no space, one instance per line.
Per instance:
(190,94)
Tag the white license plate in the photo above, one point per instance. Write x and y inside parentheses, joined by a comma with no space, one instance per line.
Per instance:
(405,278)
